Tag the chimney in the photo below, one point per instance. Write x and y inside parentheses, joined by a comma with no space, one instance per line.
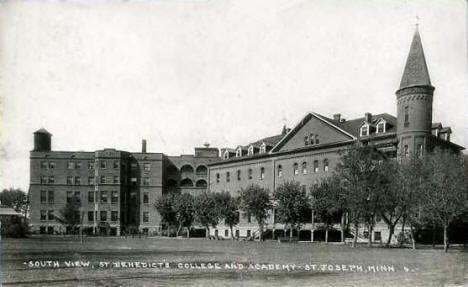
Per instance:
(337,117)
(368,117)
(143,146)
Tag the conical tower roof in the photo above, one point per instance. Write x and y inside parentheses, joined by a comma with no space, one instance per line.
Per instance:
(415,73)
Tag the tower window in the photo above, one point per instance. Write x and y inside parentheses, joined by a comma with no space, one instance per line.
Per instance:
(295,168)
(420,150)
(262,173)
(325,165)
(280,171)
(406,151)
(406,116)
(316,166)
(304,168)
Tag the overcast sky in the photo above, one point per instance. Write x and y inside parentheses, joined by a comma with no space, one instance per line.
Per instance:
(181,73)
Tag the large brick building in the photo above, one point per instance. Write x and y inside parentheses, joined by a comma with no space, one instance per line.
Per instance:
(310,150)
(117,189)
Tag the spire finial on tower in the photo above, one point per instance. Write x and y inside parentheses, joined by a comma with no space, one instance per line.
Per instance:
(417,21)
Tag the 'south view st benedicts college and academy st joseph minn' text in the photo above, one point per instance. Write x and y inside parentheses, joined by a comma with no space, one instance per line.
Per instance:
(117,189)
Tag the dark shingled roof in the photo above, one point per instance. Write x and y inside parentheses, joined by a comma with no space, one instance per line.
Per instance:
(353,126)
(42,131)
(415,73)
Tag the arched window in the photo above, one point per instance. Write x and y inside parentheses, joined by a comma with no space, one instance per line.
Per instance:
(250,150)
(325,165)
(201,183)
(316,166)
(250,173)
(186,169)
(186,182)
(262,173)
(280,170)
(304,168)
(226,154)
(239,152)
(295,169)
(202,170)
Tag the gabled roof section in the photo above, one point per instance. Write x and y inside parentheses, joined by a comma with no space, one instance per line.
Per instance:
(353,126)
(302,123)
(415,73)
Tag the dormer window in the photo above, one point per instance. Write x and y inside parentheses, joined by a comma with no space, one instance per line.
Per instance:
(239,152)
(263,148)
(380,127)
(364,130)
(250,151)
(226,154)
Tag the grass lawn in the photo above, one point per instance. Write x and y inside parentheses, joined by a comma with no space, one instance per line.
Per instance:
(262,263)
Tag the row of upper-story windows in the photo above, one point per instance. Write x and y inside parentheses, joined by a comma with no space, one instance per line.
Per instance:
(102,198)
(76,180)
(91,165)
(316,169)
(311,139)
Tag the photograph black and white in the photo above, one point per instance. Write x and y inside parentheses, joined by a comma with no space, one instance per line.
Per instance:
(233,143)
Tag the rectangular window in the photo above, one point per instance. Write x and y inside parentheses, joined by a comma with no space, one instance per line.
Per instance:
(377,236)
(248,232)
(103,215)
(78,165)
(147,166)
(250,173)
(102,164)
(145,197)
(51,179)
(420,150)
(146,181)
(133,165)
(43,196)
(50,215)
(114,215)
(43,179)
(115,164)
(50,195)
(91,196)
(43,164)
(217,177)
(316,166)
(77,180)
(304,168)
(380,128)
(317,141)
(115,197)
(103,179)
(280,171)
(69,196)
(51,165)
(238,175)
(226,232)
(43,215)
(90,165)
(116,179)
(103,196)
(295,169)
(145,216)
(406,151)
(42,230)
(133,180)
(77,196)
(90,216)
(91,180)
(262,173)
(69,180)
(228,176)
(70,165)
(325,165)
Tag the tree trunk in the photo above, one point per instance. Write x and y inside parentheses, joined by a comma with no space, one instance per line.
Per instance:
(369,242)
(178,230)
(391,229)
(188,231)
(260,228)
(326,235)
(446,239)
(290,233)
(207,235)
(413,238)
(433,235)
(342,223)
(232,234)
(356,230)
(403,232)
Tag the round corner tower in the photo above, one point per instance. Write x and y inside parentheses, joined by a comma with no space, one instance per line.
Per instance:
(42,140)
(414,103)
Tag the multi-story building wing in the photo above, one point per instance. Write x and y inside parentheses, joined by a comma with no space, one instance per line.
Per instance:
(311,149)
